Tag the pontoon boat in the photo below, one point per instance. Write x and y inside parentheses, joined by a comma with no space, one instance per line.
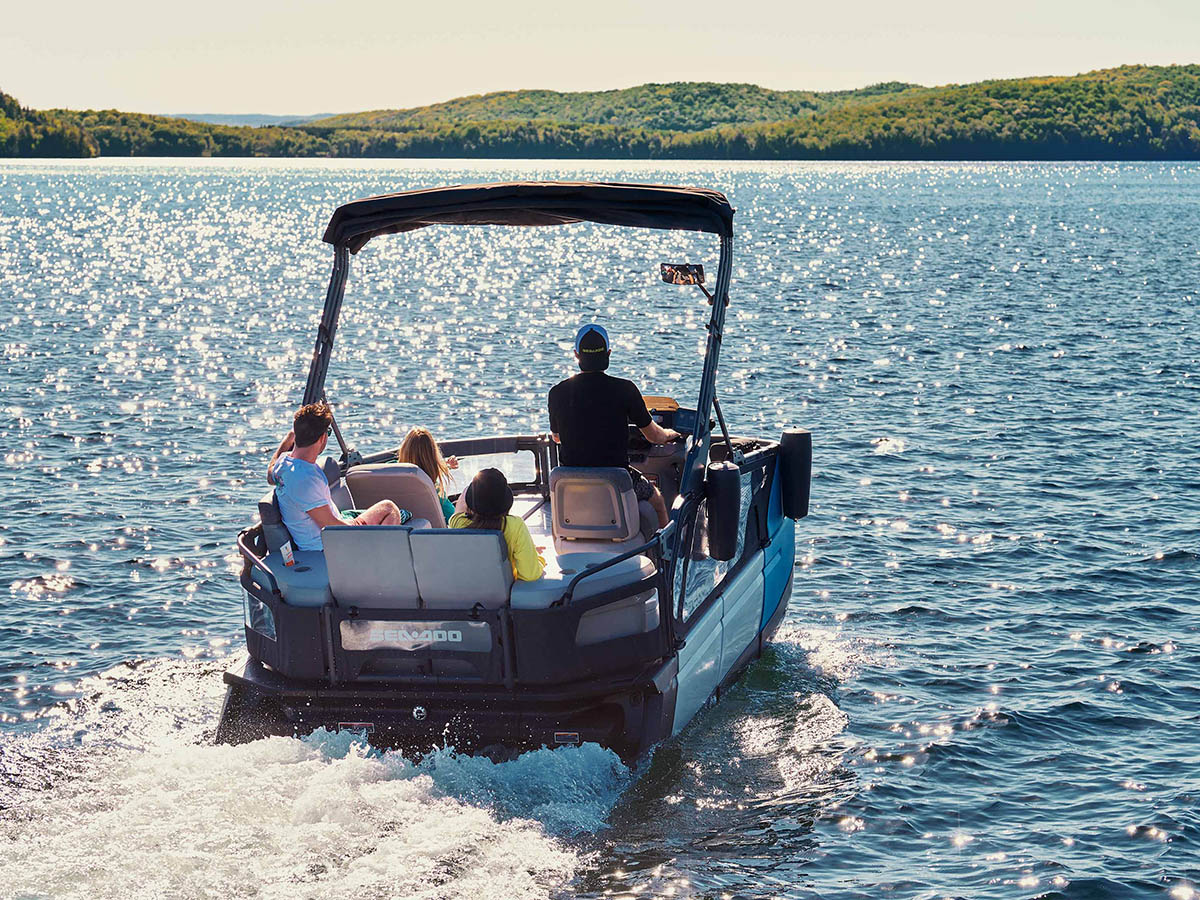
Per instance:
(418,636)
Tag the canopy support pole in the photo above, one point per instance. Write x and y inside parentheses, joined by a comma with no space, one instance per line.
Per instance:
(693,476)
(314,390)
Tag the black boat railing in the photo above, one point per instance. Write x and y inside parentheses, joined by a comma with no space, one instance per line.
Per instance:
(653,546)
(255,562)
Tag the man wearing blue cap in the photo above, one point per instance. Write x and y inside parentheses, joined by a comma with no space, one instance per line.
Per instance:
(590,414)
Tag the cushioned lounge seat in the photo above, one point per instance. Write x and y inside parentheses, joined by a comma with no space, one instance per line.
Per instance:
(459,567)
(304,584)
(338,489)
(371,566)
(402,483)
(596,510)
(635,614)
(544,592)
(275,533)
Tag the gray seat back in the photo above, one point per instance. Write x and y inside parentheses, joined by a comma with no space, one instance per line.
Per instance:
(275,533)
(593,504)
(342,497)
(458,567)
(371,565)
(402,483)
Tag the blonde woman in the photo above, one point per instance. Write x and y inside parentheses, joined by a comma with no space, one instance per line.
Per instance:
(420,449)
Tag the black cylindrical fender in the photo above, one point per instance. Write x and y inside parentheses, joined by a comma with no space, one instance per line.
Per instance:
(724,496)
(795,467)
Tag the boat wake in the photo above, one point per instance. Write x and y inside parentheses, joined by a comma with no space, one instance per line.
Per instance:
(121,795)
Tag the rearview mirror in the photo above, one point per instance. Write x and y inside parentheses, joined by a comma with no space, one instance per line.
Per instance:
(682,273)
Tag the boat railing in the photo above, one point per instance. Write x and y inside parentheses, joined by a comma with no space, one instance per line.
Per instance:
(653,548)
(255,562)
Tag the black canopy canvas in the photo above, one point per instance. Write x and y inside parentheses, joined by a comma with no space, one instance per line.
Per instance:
(531,203)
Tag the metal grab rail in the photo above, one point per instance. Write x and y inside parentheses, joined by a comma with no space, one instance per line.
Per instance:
(656,541)
(255,562)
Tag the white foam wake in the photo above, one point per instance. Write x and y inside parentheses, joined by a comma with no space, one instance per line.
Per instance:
(284,818)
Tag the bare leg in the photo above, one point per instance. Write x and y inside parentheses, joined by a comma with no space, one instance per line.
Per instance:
(385,512)
(660,508)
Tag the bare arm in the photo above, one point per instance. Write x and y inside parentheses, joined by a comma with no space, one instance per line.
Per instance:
(324,517)
(656,434)
(284,446)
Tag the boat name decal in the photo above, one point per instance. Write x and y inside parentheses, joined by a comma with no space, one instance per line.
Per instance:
(425,636)
(444,634)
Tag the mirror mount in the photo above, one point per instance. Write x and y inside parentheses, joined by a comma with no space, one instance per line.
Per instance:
(685,273)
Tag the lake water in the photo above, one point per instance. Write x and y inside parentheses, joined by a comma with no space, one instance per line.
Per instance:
(988,682)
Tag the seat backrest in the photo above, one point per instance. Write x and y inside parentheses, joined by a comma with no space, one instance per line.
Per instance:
(594,504)
(275,533)
(371,565)
(459,567)
(337,487)
(402,483)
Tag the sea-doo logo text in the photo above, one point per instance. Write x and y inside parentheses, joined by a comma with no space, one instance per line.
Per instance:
(420,636)
(411,636)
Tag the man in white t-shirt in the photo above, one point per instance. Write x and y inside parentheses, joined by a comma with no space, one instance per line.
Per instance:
(302,489)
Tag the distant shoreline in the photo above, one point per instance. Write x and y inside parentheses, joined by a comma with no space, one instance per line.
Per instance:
(574,160)
(1127,114)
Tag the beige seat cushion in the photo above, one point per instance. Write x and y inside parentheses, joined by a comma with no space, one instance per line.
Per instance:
(593,504)
(457,568)
(402,483)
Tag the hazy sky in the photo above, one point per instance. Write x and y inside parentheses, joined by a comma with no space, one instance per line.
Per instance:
(272,56)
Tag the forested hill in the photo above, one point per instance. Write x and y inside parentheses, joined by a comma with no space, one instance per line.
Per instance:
(1132,112)
(27,132)
(684,106)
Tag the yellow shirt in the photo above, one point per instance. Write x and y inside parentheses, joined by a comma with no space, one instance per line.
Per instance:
(527,563)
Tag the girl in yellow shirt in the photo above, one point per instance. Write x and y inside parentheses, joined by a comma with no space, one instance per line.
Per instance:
(489,498)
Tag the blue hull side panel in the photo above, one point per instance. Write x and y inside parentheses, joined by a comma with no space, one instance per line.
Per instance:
(699,666)
(741,617)
(779,560)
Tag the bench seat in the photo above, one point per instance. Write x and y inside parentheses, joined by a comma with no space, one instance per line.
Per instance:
(304,584)
(376,567)
(548,589)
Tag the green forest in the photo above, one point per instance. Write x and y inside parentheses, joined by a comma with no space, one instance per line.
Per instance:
(1131,112)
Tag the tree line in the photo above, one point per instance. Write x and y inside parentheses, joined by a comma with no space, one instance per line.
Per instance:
(1134,112)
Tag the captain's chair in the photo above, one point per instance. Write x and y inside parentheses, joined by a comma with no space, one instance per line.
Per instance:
(404,484)
(594,510)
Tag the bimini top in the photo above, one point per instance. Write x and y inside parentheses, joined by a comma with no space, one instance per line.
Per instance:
(531,203)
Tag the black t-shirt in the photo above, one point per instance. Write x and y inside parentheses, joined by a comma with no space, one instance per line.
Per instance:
(590,412)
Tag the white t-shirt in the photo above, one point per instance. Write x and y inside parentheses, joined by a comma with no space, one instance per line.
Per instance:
(301,486)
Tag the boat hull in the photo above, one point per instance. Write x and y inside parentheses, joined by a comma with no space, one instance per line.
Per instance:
(629,718)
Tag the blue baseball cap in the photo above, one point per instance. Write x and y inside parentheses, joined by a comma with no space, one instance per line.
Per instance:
(591,346)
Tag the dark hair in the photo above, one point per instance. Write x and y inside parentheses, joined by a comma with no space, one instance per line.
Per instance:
(311,423)
(485,523)
(489,498)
